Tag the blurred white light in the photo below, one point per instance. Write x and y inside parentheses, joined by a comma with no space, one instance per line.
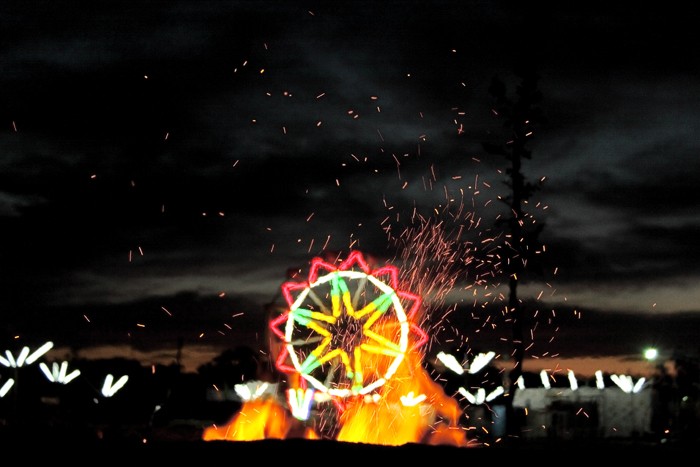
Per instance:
(253,389)
(299,401)
(39,352)
(545,379)
(119,384)
(58,373)
(651,353)
(410,400)
(572,381)
(520,382)
(6,387)
(243,392)
(480,361)
(62,371)
(47,372)
(22,356)
(71,376)
(261,389)
(109,389)
(480,397)
(470,397)
(626,383)
(107,385)
(320,397)
(11,359)
(600,384)
(495,393)
(450,362)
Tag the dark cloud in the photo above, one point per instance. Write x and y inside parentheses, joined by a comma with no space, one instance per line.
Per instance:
(158,149)
(148,324)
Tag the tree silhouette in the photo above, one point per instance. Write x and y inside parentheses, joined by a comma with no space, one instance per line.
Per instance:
(231,367)
(520,247)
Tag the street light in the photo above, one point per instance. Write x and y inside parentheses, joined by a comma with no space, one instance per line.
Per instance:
(651,353)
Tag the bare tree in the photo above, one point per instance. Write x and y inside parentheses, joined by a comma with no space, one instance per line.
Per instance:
(520,240)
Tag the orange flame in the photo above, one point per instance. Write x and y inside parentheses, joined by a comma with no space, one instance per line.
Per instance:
(411,408)
(258,419)
(407,405)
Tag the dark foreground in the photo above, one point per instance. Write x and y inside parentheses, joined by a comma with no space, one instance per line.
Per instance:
(327,452)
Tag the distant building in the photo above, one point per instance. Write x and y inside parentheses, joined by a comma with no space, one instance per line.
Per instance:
(585,412)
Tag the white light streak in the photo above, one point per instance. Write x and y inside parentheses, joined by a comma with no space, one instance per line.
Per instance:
(545,379)
(71,376)
(252,390)
(480,397)
(5,362)
(467,394)
(243,392)
(109,389)
(6,387)
(39,352)
(600,384)
(411,400)
(24,356)
(59,374)
(572,380)
(495,393)
(450,362)
(300,401)
(11,359)
(480,361)
(61,371)
(47,372)
(626,383)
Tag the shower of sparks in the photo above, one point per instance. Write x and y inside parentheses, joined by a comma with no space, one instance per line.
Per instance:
(439,259)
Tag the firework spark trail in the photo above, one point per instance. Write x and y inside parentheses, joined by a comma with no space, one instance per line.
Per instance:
(448,257)
(436,257)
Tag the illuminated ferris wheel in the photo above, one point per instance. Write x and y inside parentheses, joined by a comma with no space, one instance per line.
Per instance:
(347,329)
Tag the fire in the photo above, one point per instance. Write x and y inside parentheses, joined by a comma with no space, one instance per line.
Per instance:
(351,350)
(257,419)
(412,408)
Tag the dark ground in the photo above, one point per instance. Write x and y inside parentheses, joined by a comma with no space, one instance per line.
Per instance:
(82,449)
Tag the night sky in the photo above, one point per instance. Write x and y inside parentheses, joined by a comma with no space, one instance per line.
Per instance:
(165,163)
